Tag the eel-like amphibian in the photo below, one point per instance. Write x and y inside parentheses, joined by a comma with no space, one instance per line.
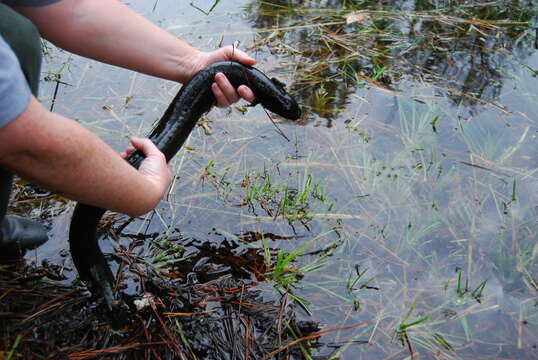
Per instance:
(193,100)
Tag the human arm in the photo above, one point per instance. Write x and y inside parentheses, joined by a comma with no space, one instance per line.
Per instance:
(91,28)
(63,156)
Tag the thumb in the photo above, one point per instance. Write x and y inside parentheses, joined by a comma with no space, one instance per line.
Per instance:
(232,53)
(146,146)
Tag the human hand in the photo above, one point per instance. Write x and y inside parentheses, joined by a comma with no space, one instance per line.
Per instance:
(224,92)
(154,167)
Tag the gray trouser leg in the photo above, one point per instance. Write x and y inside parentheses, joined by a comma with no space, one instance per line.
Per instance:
(5,189)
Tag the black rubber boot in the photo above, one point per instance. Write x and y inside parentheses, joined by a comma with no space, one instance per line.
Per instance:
(17,235)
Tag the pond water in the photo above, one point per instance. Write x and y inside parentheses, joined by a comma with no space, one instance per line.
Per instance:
(408,188)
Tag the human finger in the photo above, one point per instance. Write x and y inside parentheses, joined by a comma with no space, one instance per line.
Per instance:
(127,152)
(154,166)
(220,98)
(226,88)
(146,146)
(233,53)
(246,93)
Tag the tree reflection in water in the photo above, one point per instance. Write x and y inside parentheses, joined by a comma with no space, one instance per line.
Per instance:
(466,49)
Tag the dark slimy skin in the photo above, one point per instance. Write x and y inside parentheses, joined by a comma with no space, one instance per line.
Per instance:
(196,98)
(193,100)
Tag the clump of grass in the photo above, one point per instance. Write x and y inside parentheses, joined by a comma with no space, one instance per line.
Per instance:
(218,178)
(462,290)
(166,250)
(401,332)
(356,282)
(285,272)
(262,189)
(282,200)
(321,100)
(281,271)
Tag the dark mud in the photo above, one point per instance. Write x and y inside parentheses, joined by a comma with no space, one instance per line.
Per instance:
(208,305)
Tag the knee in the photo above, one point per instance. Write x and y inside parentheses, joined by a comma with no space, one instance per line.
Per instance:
(25,41)
(29,43)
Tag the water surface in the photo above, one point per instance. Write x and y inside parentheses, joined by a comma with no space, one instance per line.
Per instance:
(420,131)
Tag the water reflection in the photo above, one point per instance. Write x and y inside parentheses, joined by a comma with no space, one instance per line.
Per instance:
(464,49)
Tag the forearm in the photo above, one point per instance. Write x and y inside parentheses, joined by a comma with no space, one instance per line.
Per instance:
(108,31)
(63,156)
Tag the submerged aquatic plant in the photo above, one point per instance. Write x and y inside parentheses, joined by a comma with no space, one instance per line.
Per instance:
(401,332)
(461,290)
(279,199)
(356,282)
